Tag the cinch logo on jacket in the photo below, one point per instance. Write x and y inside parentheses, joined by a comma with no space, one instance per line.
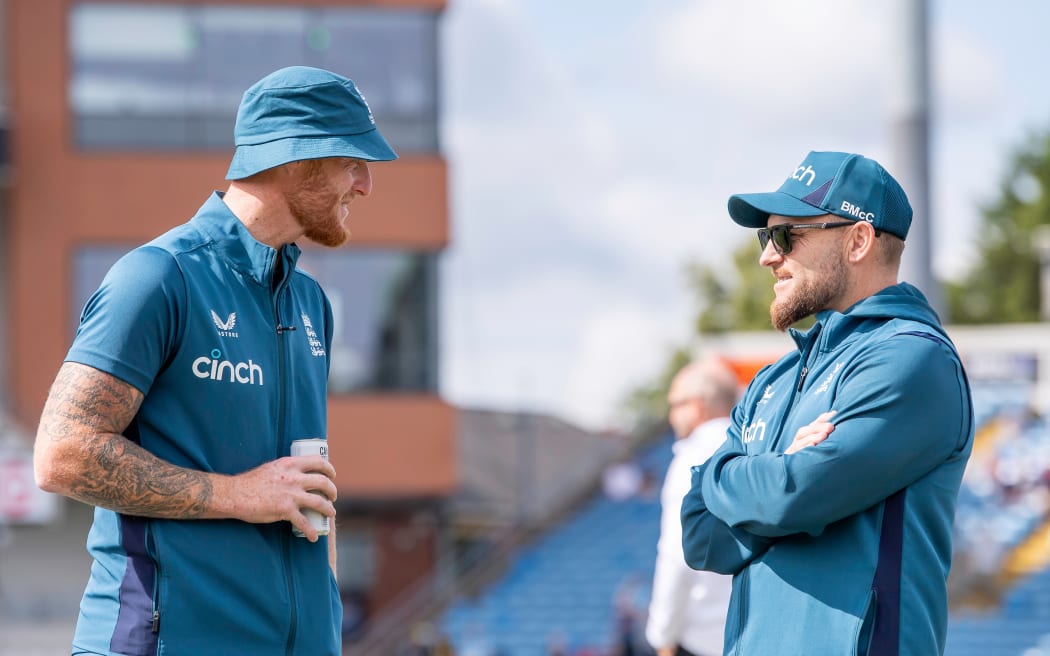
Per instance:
(755,430)
(235,372)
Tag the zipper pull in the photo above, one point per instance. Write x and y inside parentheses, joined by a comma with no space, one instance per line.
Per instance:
(156,621)
(802,379)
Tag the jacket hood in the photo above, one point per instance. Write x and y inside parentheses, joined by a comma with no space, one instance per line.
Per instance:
(900,301)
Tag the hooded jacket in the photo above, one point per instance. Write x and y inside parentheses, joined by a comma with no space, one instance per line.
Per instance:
(229,344)
(842,548)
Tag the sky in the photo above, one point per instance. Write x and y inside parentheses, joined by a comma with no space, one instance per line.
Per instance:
(592,146)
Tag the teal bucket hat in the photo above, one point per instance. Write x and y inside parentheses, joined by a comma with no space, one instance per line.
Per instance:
(298,113)
(844,184)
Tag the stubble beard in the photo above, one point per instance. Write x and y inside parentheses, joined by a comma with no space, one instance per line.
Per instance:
(811,295)
(316,207)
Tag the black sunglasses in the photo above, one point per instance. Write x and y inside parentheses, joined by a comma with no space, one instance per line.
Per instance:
(781,234)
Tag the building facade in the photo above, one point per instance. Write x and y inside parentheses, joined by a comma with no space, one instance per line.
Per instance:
(119,122)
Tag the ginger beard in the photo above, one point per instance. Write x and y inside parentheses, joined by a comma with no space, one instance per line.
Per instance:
(818,290)
(319,207)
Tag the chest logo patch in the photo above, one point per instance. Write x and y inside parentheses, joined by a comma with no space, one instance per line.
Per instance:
(766,395)
(316,346)
(826,383)
(225,328)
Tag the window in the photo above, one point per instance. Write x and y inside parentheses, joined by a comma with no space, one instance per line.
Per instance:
(357,554)
(170,77)
(383,301)
(385,321)
(90,264)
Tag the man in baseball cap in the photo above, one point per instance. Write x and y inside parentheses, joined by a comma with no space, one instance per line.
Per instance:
(200,358)
(833,497)
(846,185)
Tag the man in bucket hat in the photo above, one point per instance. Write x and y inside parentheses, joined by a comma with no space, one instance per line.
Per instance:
(832,499)
(192,371)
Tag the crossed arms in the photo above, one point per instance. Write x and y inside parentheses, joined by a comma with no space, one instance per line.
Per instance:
(885,438)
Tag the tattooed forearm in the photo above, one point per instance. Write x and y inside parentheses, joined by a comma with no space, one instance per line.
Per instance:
(122,476)
(85,399)
(80,447)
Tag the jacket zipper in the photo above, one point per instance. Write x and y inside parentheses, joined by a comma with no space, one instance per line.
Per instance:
(286,545)
(151,549)
(807,353)
(741,611)
(802,379)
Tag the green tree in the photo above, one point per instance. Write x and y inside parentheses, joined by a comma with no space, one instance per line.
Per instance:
(1003,285)
(646,406)
(737,301)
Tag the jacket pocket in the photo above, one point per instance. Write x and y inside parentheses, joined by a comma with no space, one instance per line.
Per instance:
(151,550)
(737,616)
(866,629)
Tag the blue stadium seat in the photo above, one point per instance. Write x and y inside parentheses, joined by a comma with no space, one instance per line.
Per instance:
(565,582)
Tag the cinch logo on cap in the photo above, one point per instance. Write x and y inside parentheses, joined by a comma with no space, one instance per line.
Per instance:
(801,173)
(845,184)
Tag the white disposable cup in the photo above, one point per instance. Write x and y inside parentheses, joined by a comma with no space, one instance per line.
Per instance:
(317,446)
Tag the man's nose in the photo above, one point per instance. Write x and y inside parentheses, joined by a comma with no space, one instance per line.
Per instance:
(363,180)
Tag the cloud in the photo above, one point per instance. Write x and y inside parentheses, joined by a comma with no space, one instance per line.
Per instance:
(777,59)
(554,224)
(561,344)
(973,113)
(621,347)
(577,200)
(588,164)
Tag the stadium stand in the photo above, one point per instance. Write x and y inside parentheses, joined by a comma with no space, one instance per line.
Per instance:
(564,584)
(1019,627)
(1001,575)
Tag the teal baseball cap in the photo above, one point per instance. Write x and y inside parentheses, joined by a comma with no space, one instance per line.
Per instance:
(844,184)
(301,112)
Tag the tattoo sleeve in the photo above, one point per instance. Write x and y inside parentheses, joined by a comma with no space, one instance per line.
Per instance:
(81,430)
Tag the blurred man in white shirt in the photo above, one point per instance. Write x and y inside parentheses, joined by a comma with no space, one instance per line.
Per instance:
(687,613)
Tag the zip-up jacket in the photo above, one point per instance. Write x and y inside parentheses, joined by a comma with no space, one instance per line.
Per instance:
(229,343)
(842,548)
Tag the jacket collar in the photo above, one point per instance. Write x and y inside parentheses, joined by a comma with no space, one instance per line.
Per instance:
(232,239)
(900,301)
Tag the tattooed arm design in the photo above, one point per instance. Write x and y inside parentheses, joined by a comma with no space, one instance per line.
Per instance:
(81,452)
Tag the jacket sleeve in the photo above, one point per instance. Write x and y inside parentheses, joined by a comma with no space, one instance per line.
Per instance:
(132,325)
(901,412)
(710,544)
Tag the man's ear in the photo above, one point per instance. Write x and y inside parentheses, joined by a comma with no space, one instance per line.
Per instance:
(860,244)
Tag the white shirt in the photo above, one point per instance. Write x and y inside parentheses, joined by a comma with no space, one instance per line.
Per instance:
(688,607)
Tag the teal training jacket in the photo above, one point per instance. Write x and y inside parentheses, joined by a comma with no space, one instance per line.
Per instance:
(229,343)
(842,548)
